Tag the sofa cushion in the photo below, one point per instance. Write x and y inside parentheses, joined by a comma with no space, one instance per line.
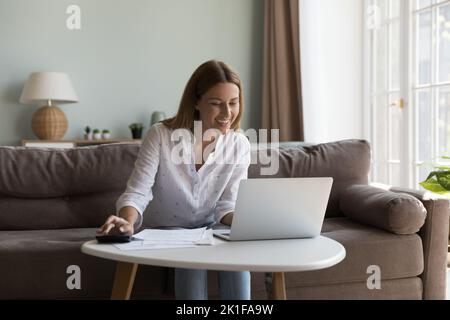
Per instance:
(34,266)
(347,161)
(396,256)
(399,213)
(62,188)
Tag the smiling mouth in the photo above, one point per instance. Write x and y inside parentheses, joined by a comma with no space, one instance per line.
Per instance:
(223,122)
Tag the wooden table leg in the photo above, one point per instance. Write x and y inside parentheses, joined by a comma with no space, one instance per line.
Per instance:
(123,280)
(278,286)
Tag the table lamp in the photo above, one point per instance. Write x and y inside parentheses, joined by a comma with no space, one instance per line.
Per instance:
(49,122)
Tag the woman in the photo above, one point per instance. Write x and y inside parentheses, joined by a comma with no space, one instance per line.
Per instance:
(198,192)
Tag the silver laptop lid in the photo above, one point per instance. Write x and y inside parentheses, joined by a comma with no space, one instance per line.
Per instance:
(280,208)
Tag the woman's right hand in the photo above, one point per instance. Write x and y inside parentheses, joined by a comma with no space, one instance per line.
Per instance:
(116,225)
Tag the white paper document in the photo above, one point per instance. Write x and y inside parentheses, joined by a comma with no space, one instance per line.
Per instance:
(166,239)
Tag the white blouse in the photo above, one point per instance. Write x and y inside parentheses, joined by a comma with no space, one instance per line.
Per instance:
(179,195)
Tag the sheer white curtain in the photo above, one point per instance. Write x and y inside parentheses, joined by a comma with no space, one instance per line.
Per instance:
(331,34)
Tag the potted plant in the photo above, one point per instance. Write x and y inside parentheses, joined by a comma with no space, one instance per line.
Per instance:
(87,133)
(136,130)
(106,134)
(438,181)
(97,134)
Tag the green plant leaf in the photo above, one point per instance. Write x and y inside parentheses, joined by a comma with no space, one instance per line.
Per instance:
(443,168)
(444,179)
(438,181)
(434,186)
(431,175)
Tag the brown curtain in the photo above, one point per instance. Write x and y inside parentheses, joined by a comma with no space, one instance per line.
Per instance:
(282,98)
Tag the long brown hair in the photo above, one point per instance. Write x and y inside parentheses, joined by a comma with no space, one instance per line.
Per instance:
(204,78)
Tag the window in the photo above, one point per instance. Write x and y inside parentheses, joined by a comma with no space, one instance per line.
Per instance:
(407,87)
(431,82)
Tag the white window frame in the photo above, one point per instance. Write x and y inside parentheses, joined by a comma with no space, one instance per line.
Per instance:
(433,86)
(368,113)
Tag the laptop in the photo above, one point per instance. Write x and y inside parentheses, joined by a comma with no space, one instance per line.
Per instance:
(280,208)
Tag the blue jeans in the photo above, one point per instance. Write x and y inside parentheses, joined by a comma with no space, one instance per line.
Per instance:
(192,284)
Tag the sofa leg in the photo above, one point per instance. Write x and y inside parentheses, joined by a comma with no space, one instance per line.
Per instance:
(123,280)
(278,286)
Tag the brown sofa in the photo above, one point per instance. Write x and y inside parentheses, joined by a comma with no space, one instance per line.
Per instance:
(51,201)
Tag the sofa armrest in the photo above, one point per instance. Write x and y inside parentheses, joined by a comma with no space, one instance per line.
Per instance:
(390,211)
(434,234)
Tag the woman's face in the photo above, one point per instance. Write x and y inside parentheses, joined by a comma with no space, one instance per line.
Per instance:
(219,107)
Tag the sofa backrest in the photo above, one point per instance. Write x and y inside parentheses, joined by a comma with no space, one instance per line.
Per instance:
(348,162)
(71,188)
(62,188)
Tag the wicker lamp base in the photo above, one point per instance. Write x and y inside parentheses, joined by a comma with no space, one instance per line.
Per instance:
(49,123)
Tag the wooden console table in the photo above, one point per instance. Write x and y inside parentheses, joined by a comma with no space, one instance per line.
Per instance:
(73,143)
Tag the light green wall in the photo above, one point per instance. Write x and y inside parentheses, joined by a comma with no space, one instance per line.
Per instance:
(130,58)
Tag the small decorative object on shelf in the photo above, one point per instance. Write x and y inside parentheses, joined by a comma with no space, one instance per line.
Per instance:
(87,133)
(136,130)
(97,134)
(157,116)
(105,134)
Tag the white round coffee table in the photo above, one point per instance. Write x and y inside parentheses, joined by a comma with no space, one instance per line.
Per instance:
(276,256)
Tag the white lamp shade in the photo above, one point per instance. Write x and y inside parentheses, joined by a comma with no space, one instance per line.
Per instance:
(44,86)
